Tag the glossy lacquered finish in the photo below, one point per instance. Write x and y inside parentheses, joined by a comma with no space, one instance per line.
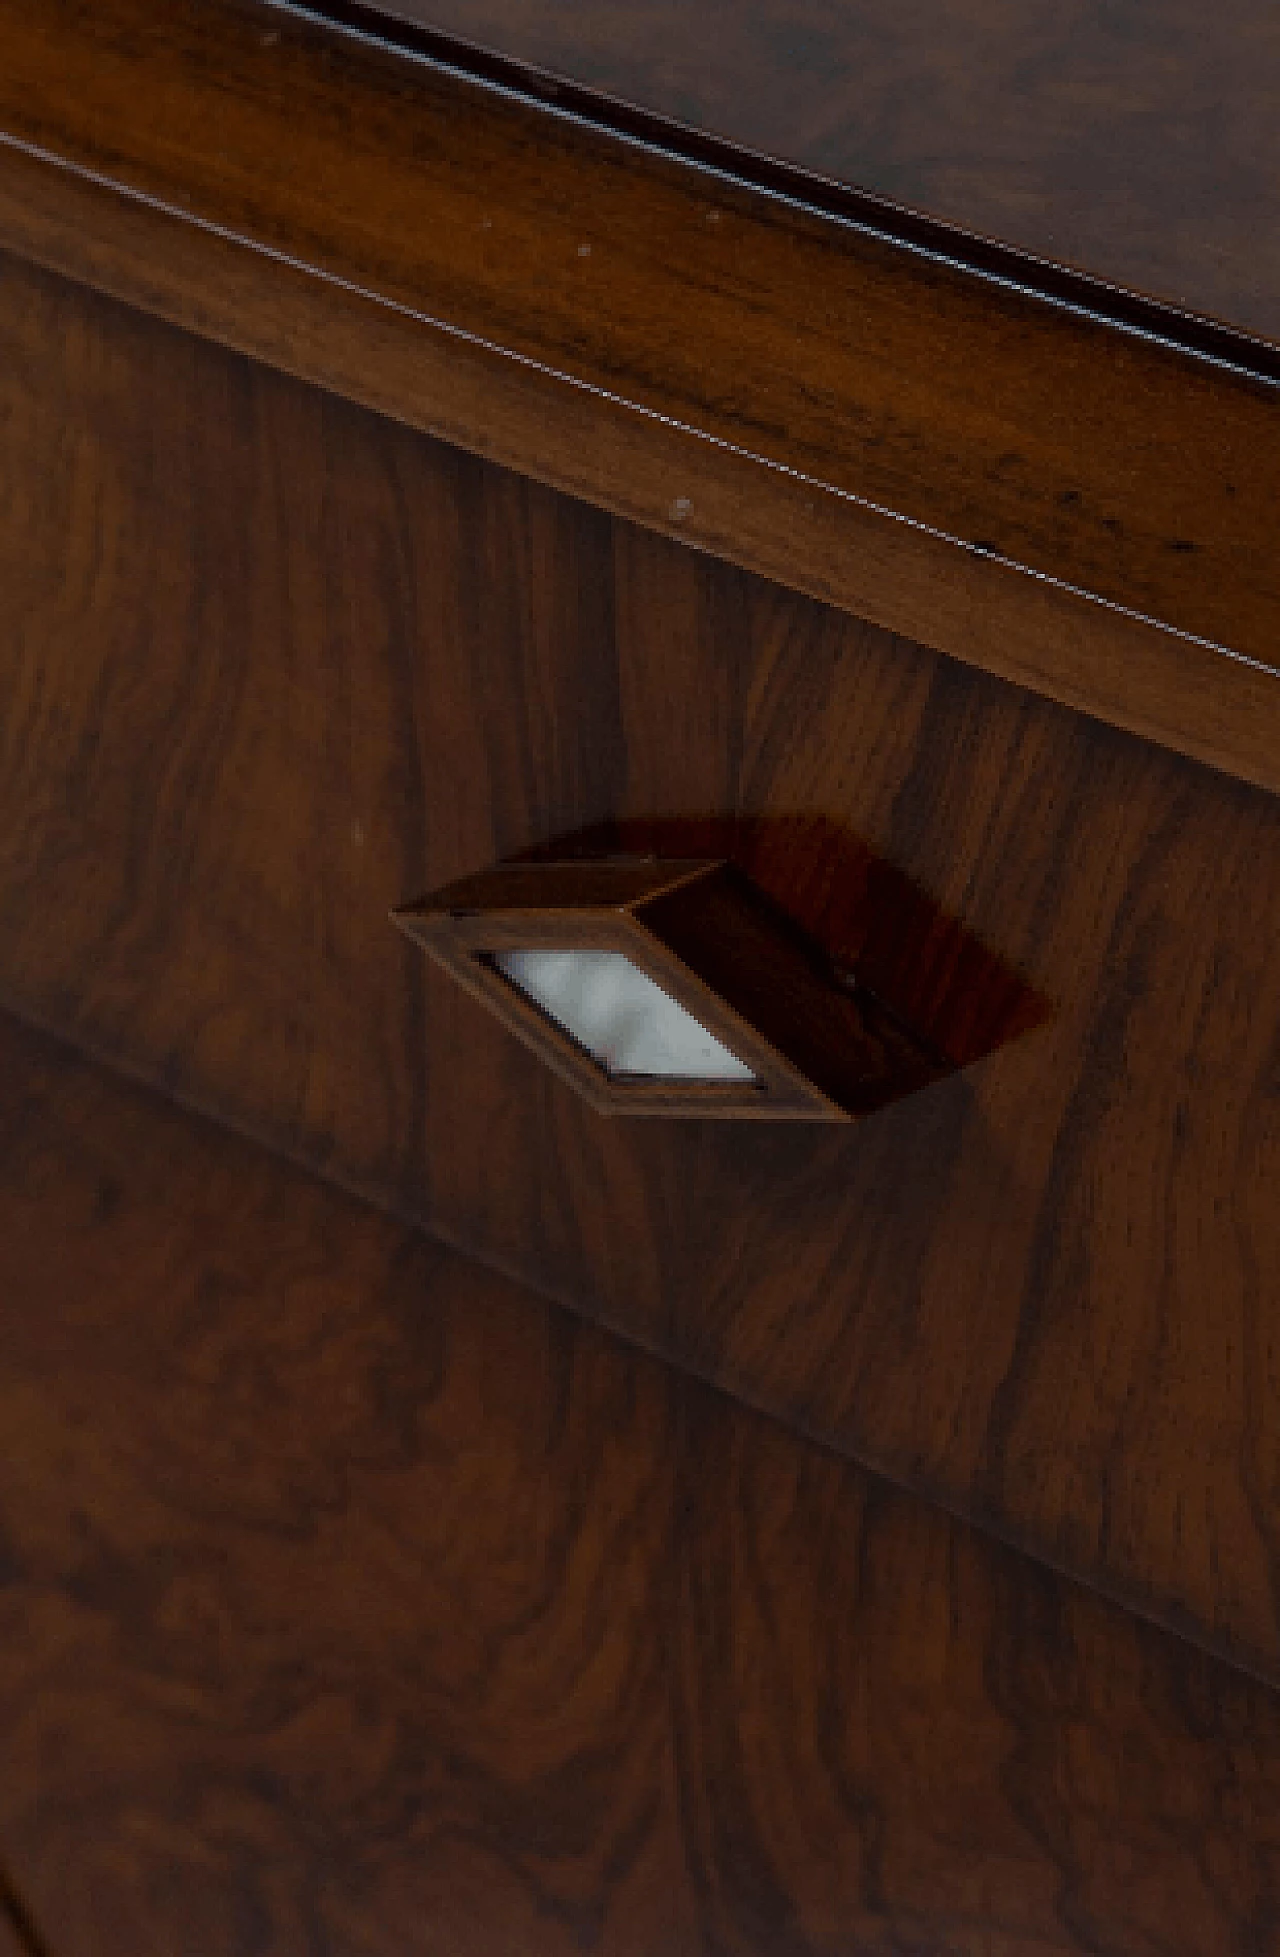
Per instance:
(274,664)
(1138,142)
(862,420)
(355,1601)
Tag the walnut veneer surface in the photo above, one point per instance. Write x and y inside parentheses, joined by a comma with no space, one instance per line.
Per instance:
(355,1597)
(273,665)
(356,1603)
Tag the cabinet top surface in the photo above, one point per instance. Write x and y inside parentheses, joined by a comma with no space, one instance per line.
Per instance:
(1135,140)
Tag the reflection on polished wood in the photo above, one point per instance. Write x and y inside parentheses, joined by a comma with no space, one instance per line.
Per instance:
(357,1601)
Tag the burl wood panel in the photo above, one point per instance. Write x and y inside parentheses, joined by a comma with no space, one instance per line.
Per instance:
(356,1603)
(334,1570)
(272,666)
(1139,142)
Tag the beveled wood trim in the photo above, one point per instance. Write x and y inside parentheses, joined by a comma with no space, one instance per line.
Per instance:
(1217,335)
(848,415)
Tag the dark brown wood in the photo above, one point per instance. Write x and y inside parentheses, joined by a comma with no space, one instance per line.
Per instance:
(271,665)
(19,1936)
(356,1601)
(334,1569)
(775,385)
(11,1945)
(1128,672)
(820,1047)
(749,951)
(893,1738)
(1140,144)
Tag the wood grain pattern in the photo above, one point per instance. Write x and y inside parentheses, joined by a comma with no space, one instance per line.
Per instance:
(892,1737)
(1140,144)
(273,666)
(1101,461)
(357,1602)
(333,1572)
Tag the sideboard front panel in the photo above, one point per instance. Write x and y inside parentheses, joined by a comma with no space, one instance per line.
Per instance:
(270,665)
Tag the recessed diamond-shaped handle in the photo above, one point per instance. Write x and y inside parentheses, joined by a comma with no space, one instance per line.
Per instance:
(669,988)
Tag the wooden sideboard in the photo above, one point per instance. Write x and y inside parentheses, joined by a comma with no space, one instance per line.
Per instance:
(435,1516)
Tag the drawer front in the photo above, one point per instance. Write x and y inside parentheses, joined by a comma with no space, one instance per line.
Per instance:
(272,665)
(363,1603)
